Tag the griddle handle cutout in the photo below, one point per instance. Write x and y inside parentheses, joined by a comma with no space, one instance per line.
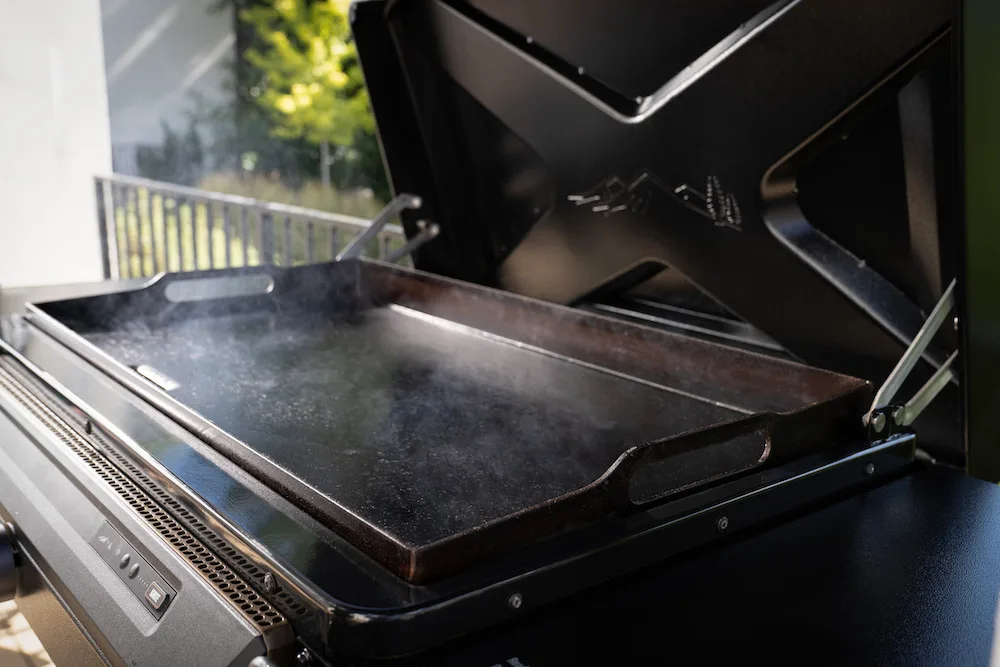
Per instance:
(180,288)
(629,485)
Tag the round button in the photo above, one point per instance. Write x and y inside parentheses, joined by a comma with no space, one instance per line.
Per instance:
(134,570)
(123,563)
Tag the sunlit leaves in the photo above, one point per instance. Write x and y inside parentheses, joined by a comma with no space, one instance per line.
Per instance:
(312,83)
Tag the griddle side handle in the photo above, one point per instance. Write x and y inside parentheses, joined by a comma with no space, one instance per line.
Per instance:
(217,284)
(621,474)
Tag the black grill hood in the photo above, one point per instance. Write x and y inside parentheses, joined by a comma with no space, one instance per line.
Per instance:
(793,162)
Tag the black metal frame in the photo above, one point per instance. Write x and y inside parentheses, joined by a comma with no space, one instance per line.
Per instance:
(794,409)
(979,283)
(637,154)
(601,185)
(423,617)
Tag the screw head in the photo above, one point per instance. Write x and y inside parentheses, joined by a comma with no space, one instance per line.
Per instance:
(722,524)
(515,601)
(878,422)
(269,584)
(870,469)
(580,70)
(897,416)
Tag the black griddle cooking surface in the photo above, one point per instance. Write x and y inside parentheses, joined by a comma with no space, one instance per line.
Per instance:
(436,423)
(421,429)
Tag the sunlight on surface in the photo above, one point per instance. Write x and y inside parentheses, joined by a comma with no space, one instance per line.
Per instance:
(19,647)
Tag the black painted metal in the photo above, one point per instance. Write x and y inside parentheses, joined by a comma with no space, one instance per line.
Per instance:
(552,177)
(689,322)
(364,610)
(436,423)
(839,581)
(8,562)
(553,174)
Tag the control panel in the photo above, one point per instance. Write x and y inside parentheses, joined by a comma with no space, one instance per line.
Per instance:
(144,582)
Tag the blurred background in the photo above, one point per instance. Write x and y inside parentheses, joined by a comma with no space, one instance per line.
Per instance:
(260,99)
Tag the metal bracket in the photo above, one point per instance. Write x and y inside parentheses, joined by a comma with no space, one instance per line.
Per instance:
(905,414)
(427,231)
(392,209)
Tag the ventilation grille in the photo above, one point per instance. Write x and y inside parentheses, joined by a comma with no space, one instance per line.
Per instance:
(258,611)
(285,602)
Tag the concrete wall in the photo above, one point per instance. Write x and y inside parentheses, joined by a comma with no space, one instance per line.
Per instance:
(162,56)
(54,138)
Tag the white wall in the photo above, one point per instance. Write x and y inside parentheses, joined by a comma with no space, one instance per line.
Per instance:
(162,55)
(54,138)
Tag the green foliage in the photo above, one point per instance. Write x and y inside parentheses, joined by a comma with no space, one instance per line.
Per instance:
(251,141)
(312,85)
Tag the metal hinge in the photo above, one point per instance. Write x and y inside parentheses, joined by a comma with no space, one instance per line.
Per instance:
(882,408)
(427,230)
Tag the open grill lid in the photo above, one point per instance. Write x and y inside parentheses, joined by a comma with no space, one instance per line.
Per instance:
(574,149)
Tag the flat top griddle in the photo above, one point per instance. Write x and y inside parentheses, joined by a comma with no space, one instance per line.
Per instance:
(436,423)
(421,429)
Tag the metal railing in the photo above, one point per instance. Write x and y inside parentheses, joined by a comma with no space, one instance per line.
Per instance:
(148,227)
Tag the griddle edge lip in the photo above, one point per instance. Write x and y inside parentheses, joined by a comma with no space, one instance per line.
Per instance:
(387,633)
(420,564)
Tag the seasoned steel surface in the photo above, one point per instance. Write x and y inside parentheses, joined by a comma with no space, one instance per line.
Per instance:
(420,428)
(434,423)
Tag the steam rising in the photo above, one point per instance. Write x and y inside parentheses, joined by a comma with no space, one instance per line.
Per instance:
(422,429)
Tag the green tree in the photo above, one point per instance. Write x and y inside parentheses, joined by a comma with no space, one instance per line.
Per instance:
(312,84)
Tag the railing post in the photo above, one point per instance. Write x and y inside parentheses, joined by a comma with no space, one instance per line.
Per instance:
(266,238)
(105,212)
(193,203)
(137,234)
(153,245)
(310,242)
(227,235)
(244,236)
(210,215)
(121,235)
(288,241)
(334,242)
(175,205)
(131,203)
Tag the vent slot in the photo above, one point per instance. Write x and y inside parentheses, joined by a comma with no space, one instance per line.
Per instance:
(242,596)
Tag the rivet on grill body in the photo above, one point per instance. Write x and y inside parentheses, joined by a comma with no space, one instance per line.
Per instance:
(269,585)
(870,469)
(515,601)
(722,524)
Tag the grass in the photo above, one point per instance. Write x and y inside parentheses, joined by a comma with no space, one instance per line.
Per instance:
(155,232)
(359,202)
